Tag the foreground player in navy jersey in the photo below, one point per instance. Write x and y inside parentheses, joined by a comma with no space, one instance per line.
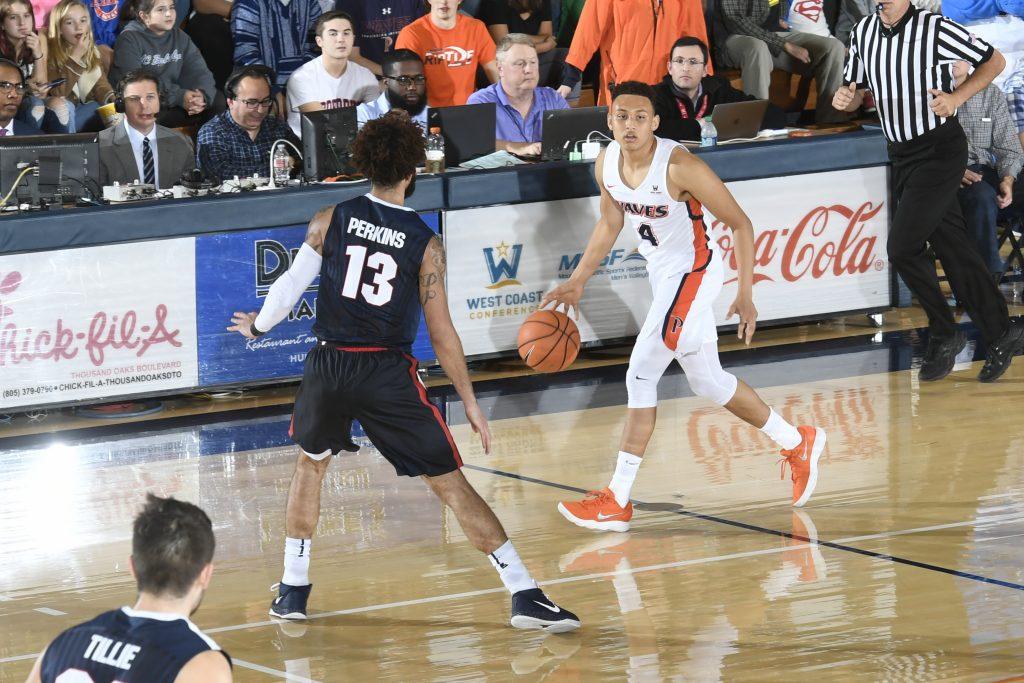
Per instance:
(380,266)
(153,642)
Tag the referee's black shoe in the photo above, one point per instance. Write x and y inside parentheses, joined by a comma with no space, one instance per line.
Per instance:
(1002,351)
(940,356)
(531,609)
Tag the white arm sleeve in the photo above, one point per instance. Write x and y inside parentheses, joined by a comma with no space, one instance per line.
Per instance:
(287,289)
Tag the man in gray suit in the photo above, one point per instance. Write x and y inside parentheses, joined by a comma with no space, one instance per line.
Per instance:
(137,148)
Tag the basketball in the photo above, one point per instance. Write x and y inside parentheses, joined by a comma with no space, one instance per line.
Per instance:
(549,341)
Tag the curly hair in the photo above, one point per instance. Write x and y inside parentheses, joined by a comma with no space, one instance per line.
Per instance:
(388,150)
(633,88)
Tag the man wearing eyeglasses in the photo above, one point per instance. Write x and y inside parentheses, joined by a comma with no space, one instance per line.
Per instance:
(237,142)
(137,149)
(405,88)
(12,91)
(688,94)
(519,102)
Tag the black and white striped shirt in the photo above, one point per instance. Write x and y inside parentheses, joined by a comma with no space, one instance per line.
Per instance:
(899,66)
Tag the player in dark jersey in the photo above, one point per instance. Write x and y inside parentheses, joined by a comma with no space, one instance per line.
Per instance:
(380,266)
(153,642)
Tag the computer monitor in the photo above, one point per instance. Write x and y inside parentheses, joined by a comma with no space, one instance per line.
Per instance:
(468,130)
(327,137)
(564,129)
(66,167)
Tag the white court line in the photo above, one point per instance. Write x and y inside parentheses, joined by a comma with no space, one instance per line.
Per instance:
(49,611)
(573,579)
(273,672)
(935,527)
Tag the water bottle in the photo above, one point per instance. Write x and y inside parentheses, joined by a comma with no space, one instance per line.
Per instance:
(435,151)
(708,133)
(282,166)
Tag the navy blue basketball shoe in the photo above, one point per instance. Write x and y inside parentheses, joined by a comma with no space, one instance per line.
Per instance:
(531,609)
(290,602)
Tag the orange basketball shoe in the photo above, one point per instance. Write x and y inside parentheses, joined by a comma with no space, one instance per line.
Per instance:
(598,511)
(803,462)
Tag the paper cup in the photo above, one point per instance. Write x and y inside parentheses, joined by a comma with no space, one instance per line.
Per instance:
(109,115)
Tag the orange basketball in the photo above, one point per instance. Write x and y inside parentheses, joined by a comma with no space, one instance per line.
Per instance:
(549,341)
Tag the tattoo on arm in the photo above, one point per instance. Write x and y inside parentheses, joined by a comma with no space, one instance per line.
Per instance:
(432,281)
(318,228)
(428,289)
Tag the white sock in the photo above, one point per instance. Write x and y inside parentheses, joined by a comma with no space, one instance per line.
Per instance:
(511,569)
(781,432)
(625,472)
(296,561)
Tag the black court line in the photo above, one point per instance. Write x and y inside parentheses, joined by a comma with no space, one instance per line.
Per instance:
(773,532)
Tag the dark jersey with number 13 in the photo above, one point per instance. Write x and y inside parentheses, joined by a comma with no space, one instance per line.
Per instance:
(369,279)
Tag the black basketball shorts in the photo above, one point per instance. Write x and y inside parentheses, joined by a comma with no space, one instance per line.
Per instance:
(380,388)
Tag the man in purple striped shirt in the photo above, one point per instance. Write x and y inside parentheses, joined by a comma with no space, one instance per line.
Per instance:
(519,103)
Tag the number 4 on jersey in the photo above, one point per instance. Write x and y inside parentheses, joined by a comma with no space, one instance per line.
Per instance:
(647,233)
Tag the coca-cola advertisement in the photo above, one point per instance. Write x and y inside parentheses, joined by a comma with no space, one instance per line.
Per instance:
(819,244)
(98,322)
(819,250)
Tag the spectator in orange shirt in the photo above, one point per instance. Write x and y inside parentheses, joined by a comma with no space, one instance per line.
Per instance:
(634,38)
(451,45)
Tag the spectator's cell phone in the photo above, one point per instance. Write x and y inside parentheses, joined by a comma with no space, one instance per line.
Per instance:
(54,84)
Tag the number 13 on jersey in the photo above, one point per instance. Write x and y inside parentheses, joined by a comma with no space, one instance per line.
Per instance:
(378,291)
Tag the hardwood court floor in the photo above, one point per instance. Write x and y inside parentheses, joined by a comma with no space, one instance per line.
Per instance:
(915,571)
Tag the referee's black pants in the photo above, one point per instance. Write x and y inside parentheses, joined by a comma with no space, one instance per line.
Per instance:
(926,174)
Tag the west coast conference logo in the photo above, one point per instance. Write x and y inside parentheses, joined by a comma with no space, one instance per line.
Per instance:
(453,55)
(503,271)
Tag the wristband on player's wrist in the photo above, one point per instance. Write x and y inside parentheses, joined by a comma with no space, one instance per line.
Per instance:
(254,331)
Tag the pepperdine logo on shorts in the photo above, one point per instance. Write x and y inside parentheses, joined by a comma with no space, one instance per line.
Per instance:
(272,261)
(503,272)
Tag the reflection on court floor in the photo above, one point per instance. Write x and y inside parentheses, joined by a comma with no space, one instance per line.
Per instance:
(907,565)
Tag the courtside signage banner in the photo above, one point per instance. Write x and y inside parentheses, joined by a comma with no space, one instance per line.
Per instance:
(234,272)
(819,249)
(501,261)
(97,322)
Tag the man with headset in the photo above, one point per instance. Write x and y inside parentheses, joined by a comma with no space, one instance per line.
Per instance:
(138,148)
(12,92)
(237,142)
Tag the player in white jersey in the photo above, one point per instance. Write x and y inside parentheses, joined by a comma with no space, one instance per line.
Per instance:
(658,189)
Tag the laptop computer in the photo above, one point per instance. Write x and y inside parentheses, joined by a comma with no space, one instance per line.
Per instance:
(738,119)
(563,129)
(468,131)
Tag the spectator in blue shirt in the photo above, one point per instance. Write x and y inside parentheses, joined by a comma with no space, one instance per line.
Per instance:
(275,33)
(237,142)
(519,103)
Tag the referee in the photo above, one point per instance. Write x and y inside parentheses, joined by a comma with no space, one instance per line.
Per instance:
(905,56)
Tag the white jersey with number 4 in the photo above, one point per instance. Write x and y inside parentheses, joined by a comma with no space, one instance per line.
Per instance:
(672,235)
